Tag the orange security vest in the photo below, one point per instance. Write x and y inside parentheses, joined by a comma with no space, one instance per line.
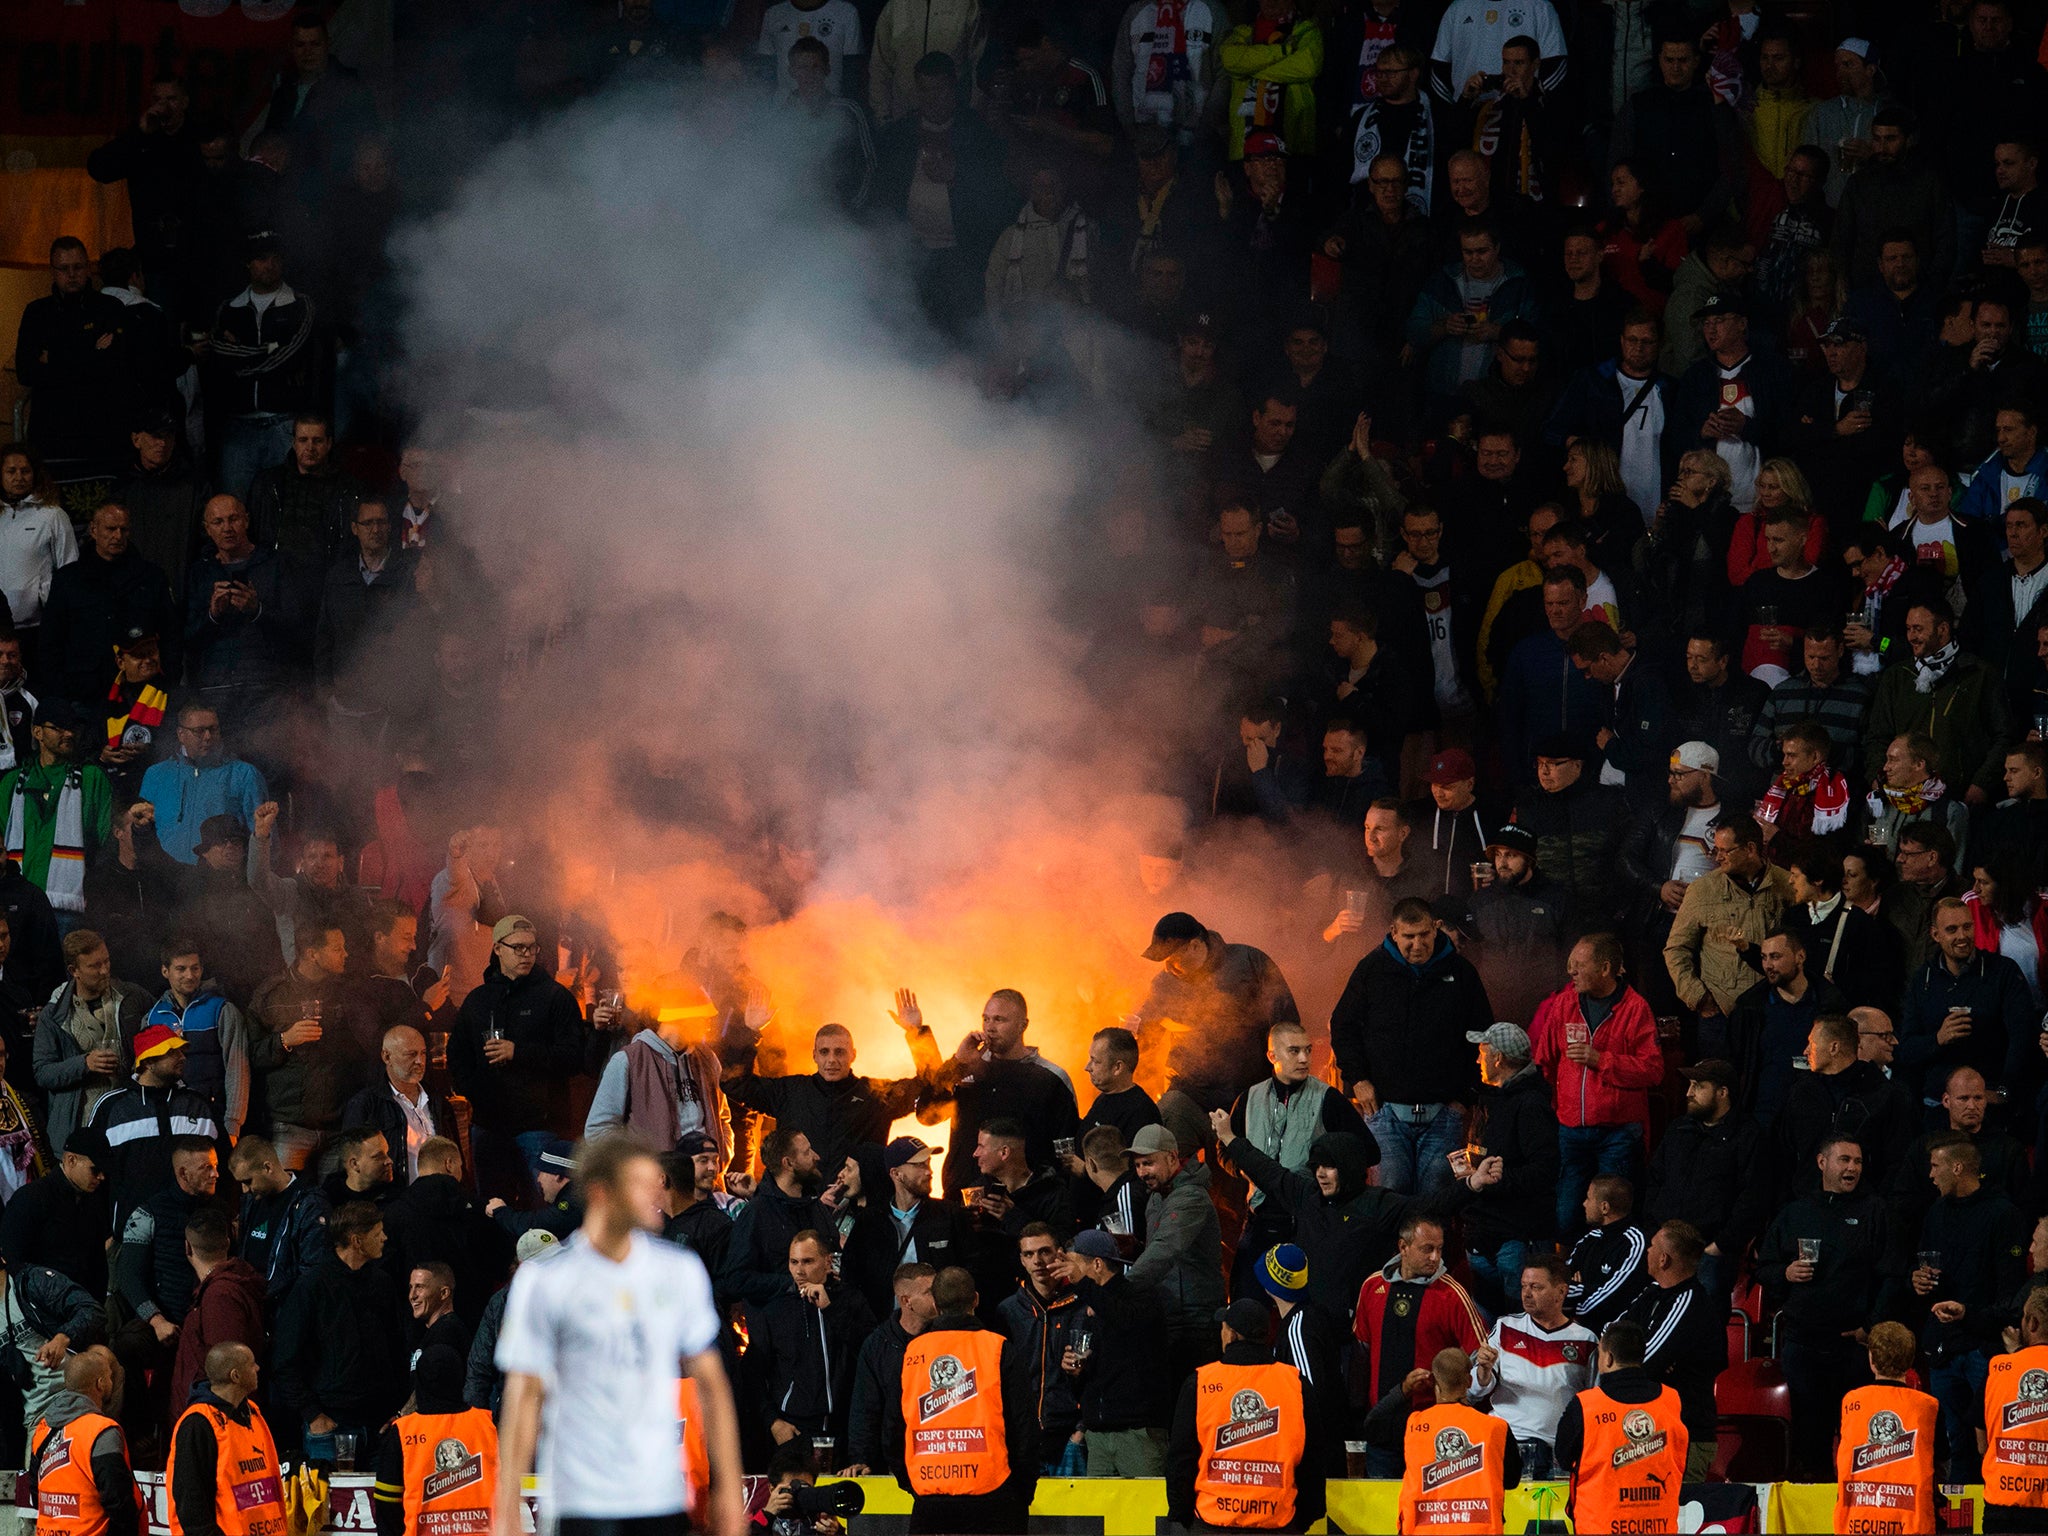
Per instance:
(953,1438)
(248,1489)
(451,1472)
(1632,1464)
(1456,1482)
(2016,1430)
(696,1451)
(67,1499)
(1250,1430)
(1884,1467)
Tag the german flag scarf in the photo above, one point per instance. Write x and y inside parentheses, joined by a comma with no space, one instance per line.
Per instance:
(148,709)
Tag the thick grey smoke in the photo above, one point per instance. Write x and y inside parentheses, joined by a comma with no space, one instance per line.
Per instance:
(816,575)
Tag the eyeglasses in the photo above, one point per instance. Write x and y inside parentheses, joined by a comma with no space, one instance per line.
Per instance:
(520,949)
(1877,1034)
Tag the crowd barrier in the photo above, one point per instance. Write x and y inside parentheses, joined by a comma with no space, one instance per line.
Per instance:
(1135,1506)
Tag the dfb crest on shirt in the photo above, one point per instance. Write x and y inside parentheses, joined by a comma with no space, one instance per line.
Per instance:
(1643,1436)
(1517,18)
(1251,1418)
(1889,1441)
(2031,1406)
(1573,1353)
(951,1385)
(1456,1457)
(455,1466)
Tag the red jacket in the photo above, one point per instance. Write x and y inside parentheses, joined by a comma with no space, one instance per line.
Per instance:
(1617,1091)
(1448,1317)
(226,1308)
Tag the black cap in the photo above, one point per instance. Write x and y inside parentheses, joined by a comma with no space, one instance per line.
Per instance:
(1720,304)
(690,1143)
(1171,932)
(1562,744)
(1196,322)
(136,631)
(261,242)
(1249,1319)
(1845,329)
(1518,839)
(89,1141)
(68,715)
(1713,1070)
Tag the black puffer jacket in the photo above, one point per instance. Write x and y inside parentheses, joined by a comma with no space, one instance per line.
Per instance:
(1402,1027)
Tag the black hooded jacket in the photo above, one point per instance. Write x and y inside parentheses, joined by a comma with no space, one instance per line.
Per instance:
(1347,1235)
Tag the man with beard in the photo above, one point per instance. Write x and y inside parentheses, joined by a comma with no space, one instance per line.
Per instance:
(1519,917)
(693,1212)
(1709,1170)
(788,1201)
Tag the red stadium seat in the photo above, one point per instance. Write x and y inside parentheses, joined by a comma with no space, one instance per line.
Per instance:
(1755,1408)
(1738,1337)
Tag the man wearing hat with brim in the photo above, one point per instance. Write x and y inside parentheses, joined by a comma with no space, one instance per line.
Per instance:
(59,809)
(1182,1239)
(1577,821)
(1122,1382)
(696,1208)
(1245,1407)
(1206,407)
(142,1119)
(140,711)
(1512,1121)
(1520,917)
(516,1044)
(1710,1169)
(1841,123)
(1456,819)
(1209,1007)
(900,1222)
(60,1220)
(485,1383)
(1845,427)
(1732,398)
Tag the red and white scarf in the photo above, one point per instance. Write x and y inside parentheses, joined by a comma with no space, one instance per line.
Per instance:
(1828,790)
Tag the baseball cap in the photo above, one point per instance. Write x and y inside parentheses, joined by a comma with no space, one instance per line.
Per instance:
(1845,329)
(136,632)
(1510,1041)
(89,1141)
(1171,932)
(1719,304)
(1197,322)
(261,242)
(1451,767)
(67,715)
(559,1157)
(1696,755)
(905,1149)
(505,927)
(1263,144)
(1519,839)
(1283,1271)
(1097,1244)
(216,830)
(157,1040)
(1713,1070)
(1860,46)
(534,1242)
(690,1143)
(1154,1138)
(1561,744)
(1248,1318)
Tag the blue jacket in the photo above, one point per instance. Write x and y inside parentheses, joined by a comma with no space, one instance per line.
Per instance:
(1543,693)
(1984,499)
(1514,299)
(185,794)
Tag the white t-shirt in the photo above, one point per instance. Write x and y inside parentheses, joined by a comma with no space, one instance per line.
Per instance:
(1642,468)
(1693,855)
(1469,37)
(836,24)
(607,1341)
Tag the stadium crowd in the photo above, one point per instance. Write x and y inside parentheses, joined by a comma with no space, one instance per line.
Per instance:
(1598,533)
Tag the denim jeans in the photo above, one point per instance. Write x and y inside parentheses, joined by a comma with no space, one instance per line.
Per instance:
(250,444)
(1583,1153)
(1958,1385)
(1415,1147)
(1499,1275)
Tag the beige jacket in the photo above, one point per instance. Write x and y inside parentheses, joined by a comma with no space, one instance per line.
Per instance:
(905,32)
(1701,956)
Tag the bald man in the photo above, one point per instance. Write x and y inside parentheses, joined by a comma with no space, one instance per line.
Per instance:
(78,1457)
(221,1449)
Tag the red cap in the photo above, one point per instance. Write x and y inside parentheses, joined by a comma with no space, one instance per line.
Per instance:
(1451,767)
(155,1041)
(1263,144)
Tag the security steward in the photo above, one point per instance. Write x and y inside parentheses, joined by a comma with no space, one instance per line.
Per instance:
(1240,1457)
(223,1474)
(1623,1442)
(437,1467)
(80,1482)
(1460,1461)
(1884,1466)
(968,1433)
(2016,1428)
